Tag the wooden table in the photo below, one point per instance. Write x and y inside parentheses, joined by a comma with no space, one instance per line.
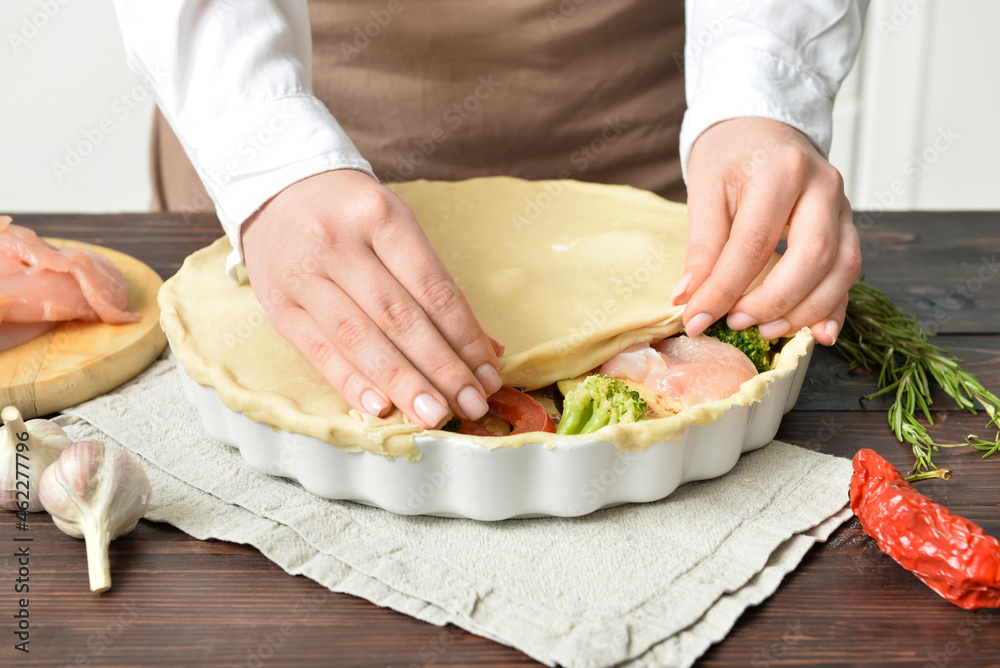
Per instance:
(183,602)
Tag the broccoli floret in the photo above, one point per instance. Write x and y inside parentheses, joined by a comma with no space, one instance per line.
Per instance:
(749,341)
(599,401)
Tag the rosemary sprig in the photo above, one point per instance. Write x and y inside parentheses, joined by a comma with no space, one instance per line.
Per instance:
(943,474)
(877,335)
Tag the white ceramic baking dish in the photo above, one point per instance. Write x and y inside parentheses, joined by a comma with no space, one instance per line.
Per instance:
(459,479)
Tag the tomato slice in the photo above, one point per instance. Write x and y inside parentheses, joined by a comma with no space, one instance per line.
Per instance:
(521,411)
(472,429)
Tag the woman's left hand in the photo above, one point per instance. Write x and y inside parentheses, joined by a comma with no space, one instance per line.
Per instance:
(751,181)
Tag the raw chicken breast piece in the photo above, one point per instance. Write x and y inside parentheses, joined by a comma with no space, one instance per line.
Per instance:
(42,283)
(689,370)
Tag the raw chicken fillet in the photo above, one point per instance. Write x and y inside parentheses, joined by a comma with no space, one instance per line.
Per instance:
(689,370)
(41,285)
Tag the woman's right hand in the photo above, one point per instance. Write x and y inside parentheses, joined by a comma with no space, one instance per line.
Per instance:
(349,277)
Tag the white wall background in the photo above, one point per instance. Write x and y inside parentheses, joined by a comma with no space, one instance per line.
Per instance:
(929,71)
(916,125)
(64,86)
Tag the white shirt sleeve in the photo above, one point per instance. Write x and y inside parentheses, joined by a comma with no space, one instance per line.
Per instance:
(770,59)
(234,79)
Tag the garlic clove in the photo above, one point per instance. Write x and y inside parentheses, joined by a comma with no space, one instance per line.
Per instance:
(34,445)
(98,494)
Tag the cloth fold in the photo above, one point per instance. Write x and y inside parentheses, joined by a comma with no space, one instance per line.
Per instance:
(635,585)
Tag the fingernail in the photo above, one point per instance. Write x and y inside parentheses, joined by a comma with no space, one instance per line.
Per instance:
(832,330)
(740,320)
(680,287)
(774,329)
(498,347)
(472,403)
(429,410)
(488,377)
(699,324)
(373,403)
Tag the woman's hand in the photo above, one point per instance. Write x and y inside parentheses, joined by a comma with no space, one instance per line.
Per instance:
(751,180)
(352,281)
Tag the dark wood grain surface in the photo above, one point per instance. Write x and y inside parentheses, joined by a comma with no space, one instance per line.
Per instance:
(178,601)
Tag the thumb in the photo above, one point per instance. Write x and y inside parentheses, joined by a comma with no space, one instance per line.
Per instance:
(709,225)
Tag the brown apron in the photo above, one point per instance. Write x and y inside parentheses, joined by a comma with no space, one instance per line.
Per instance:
(450,89)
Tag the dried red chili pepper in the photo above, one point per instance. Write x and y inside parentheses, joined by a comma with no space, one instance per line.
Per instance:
(952,555)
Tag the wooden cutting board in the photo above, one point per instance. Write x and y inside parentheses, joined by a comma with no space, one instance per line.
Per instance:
(77,360)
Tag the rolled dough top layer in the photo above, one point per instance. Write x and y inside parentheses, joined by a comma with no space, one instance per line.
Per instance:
(565,273)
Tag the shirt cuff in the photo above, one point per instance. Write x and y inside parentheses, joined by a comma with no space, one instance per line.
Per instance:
(757,84)
(246,160)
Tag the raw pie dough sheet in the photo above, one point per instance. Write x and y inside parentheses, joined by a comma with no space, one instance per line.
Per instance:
(566,274)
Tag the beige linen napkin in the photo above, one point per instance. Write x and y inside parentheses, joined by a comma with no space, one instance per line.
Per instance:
(637,585)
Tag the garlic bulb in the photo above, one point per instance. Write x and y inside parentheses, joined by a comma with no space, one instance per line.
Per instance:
(34,446)
(98,494)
